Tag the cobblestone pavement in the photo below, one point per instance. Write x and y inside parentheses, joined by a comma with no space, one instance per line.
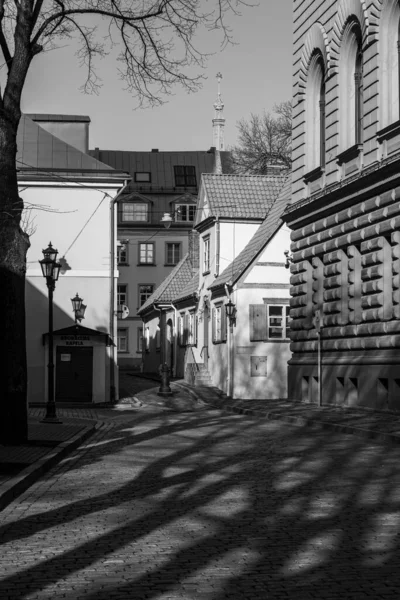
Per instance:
(207,505)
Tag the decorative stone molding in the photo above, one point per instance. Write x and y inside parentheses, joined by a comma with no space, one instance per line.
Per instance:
(350,10)
(315,41)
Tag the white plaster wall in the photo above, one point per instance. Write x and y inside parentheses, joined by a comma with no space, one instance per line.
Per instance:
(233,238)
(277,352)
(89,273)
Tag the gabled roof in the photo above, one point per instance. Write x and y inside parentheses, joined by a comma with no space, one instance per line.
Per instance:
(190,289)
(241,196)
(166,292)
(40,151)
(260,239)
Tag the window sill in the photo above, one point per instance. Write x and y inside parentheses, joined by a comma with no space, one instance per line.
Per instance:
(206,272)
(123,264)
(388,132)
(170,264)
(123,351)
(146,265)
(313,175)
(349,154)
(216,342)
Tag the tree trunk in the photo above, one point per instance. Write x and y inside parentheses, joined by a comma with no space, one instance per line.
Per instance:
(14,244)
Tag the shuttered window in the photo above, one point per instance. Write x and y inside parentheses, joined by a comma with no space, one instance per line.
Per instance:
(268,322)
(218,324)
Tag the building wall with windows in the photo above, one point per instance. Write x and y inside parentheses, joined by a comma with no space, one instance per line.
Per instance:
(345,210)
(162,182)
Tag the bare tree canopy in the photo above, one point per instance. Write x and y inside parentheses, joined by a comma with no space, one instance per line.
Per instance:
(157,46)
(264,141)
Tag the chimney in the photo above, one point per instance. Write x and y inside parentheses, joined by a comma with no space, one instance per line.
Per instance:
(154,149)
(71,129)
(194,250)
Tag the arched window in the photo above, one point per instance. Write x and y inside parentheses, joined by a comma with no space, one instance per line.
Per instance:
(389,44)
(315,114)
(350,88)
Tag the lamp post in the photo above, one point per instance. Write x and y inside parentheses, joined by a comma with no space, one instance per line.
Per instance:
(51,270)
(78,308)
(230,310)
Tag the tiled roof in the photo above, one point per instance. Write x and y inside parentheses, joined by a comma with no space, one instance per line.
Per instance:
(40,150)
(190,289)
(166,292)
(259,240)
(241,196)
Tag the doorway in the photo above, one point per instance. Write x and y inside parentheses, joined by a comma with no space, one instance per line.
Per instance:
(74,374)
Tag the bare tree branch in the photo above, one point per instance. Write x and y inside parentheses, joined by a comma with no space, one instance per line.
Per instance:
(264,141)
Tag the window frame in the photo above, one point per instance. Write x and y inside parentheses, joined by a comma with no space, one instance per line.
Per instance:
(259,321)
(206,254)
(122,248)
(126,330)
(124,219)
(142,180)
(120,294)
(187,206)
(186,176)
(147,294)
(219,324)
(172,264)
(140,262)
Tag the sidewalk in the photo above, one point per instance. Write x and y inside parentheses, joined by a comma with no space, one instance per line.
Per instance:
(47,444)
(378,425)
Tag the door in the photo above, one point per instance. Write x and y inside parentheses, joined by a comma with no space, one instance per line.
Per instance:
(74,374)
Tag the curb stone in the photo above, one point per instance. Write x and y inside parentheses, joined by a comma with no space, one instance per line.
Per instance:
(15,486)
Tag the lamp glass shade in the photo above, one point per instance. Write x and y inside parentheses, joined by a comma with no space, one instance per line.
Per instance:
(166,220)
(50,253)
(56,270)
(80,312)
(76,303)
(230,309)
(47,266)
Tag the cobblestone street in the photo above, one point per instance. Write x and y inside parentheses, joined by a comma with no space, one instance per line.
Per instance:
(208,505)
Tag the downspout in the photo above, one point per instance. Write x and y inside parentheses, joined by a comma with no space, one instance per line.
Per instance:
(176,343)
(217,245)
(114,392)
(230,351)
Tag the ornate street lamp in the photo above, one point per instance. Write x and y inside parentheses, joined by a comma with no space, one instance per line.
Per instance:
(230,310)
(78,308)
(51,271)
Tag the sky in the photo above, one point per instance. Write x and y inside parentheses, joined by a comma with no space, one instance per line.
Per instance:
(256,71)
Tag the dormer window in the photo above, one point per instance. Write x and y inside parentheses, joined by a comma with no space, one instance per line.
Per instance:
(134,212)
(185,176)
(185,212)
(142,177)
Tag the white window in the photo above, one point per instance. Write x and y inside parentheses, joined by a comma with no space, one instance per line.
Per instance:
(122,294)
(269,322)
(172,253)
(122,340)
(219,324)
(185,212)
(278,317)
(206,254)
(135,211)
(146,253)
(122,254)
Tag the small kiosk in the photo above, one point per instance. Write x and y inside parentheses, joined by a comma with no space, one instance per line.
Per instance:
(82,364)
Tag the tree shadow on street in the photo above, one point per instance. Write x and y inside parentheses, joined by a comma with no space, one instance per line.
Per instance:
(222,506)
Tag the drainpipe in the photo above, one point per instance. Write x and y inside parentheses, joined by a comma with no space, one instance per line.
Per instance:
(217,245)
(230,351)
(176,343)
(114,393)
